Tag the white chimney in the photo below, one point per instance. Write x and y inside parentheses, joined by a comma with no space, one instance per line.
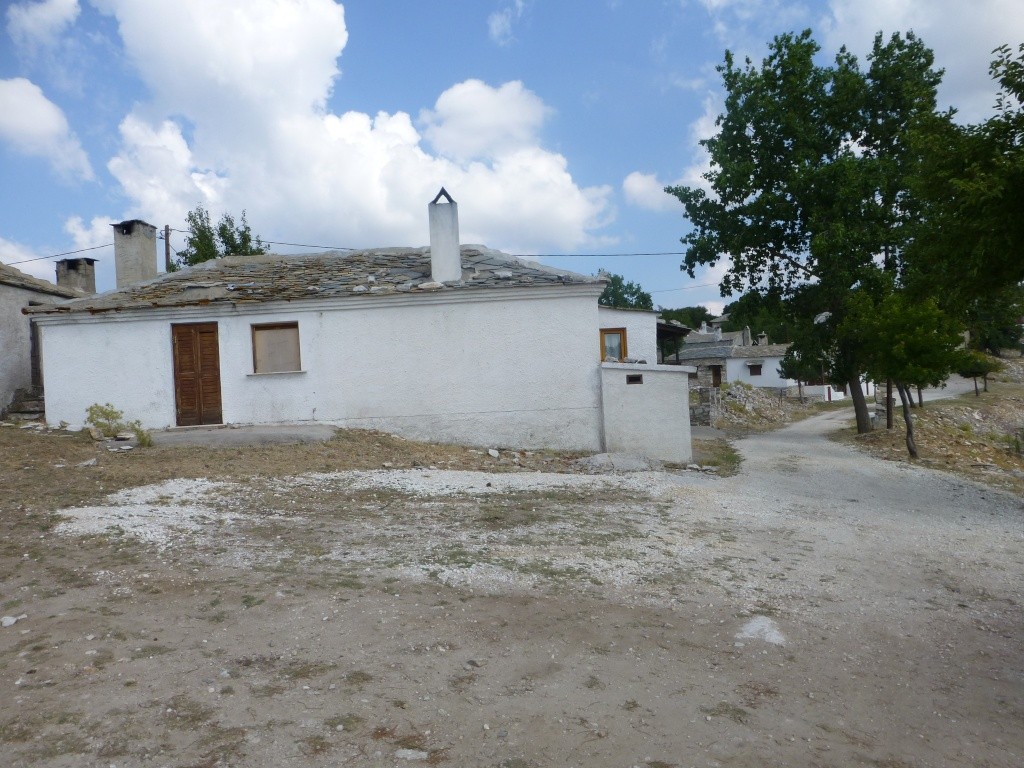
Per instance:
(134,252)
(445,256)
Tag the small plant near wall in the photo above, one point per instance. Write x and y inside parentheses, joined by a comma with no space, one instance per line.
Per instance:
(110,422)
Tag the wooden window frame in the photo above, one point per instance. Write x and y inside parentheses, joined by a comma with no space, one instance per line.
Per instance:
(257,327)
(621,332)
(752,366)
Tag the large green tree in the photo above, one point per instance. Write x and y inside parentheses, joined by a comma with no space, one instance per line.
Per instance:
(909,341)
(204,241)
(624,295)
(763,312)
(972,184)
(691,317)
(810,183)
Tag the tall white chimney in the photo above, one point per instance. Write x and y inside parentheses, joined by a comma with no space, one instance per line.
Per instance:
(445,256)
(134,252)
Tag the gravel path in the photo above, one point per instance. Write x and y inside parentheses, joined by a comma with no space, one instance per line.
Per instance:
(822,607)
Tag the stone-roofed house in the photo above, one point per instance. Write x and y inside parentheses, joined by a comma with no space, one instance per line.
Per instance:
(19,349)
(723,357)
(452,343)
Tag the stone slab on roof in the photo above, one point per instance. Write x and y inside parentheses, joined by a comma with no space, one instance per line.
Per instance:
(235,280)
(726,337)
(16,278)
(722,351)
(759,350)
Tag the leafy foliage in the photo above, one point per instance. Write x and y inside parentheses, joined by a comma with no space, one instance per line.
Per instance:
(205,242)
(976,364)
(691,317)
(971,183)
(765,312)
(624,295)
(810,188)
(994,321)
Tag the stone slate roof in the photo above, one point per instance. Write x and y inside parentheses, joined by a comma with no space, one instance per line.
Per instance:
(238,280)
(720,350)
(727,338)
(18,279)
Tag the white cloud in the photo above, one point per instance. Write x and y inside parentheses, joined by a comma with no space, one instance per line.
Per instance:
(645,191)
(20,255)
(40,24)
(473,120)
(238,120)
(499,23)
(963,39)
(222,62)
(157,171)
(35,126)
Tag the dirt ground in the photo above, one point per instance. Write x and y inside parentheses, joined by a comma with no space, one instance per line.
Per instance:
(374,602)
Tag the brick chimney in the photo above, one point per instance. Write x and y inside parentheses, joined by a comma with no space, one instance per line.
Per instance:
(79,274)
(134,252)
(445,256)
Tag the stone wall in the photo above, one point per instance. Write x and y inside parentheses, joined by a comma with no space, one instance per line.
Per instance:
(705,406)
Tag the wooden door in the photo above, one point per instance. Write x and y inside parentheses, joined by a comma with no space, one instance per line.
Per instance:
(196,374)
(36,356)
(716,375)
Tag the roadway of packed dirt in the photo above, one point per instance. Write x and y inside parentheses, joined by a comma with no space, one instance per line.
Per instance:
(819,608)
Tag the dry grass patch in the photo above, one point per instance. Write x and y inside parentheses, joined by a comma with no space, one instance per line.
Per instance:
(42,471)
(974,437)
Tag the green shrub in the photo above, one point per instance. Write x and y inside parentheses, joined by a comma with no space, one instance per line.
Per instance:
(110,422)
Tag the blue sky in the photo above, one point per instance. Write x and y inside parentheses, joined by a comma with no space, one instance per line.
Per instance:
(553,123)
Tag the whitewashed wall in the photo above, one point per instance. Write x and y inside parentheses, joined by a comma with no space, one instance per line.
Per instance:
(124,363)
(16,339)
(651,418)
(736,369)
(517,372)
(641,331)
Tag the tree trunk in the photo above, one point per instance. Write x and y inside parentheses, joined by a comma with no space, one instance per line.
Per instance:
(976,392)
(800,389)
(889,415)
(985,379)
(905,399)
(920,397)
(860,405)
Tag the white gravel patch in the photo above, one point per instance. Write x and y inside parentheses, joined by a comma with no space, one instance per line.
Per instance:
(762,628)
(444,482)
(156,514)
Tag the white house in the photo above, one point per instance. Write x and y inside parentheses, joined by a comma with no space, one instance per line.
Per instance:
(19,348)
(724,357)
(448,343)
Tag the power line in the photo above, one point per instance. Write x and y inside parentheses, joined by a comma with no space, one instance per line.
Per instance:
(278,242)
(596,255)
(58,255)
(684,288)
(305,245)
(531,255)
